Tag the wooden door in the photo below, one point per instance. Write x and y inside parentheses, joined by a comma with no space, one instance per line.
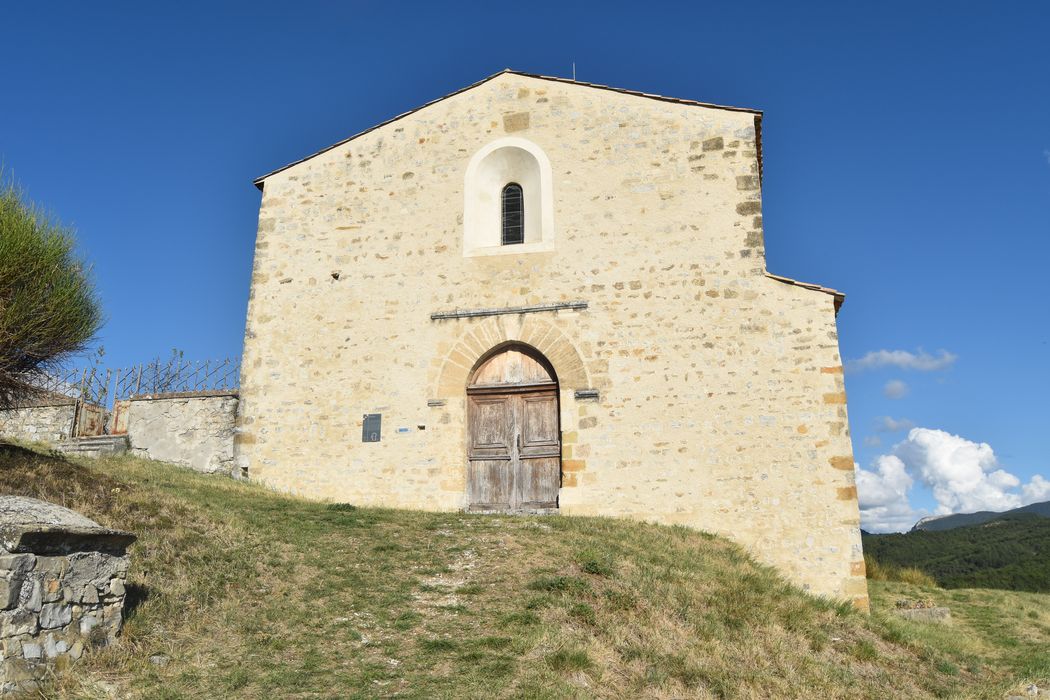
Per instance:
(514,443)
(538,467)
(490,474)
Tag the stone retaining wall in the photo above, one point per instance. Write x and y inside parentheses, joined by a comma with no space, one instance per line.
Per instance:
(38,423)
(193,430)
(62,588)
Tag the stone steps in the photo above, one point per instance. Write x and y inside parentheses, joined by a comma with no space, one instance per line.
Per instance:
(95,445)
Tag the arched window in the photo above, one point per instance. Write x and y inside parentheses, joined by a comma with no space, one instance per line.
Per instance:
(508,200)
(513,214)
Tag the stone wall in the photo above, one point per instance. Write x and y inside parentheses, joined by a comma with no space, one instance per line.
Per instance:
(190,429)
(193,430)
(38,423)
(720,401)
(62,588)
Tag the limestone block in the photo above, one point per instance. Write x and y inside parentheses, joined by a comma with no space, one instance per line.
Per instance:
(17,564)
(88,623)
(32,594)
(17,622)
(54,646)
(55,615)
(10,591)
(51,588)
(55,565)
(941,616)
(91,569)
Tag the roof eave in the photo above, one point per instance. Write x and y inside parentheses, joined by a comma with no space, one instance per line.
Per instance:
(840,297)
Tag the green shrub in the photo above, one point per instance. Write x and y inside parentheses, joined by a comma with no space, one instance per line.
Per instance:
(48,307)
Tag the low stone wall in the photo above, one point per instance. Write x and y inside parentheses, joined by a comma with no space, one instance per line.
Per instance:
(191,429)
(195,430)
(50,423)
(62,588)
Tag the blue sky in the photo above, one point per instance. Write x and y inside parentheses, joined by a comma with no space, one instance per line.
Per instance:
(907,163)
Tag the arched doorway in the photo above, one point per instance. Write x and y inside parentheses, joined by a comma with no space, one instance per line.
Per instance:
(513,433)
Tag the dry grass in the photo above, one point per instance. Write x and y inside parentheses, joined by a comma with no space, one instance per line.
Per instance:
(887,572)
(249,594)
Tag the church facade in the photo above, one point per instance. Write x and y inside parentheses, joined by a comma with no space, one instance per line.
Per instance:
(544,296)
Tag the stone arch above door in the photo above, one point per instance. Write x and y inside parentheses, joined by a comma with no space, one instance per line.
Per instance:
(480,338)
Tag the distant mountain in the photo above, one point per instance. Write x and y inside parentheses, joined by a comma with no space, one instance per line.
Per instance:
(948,522)
(1011,552)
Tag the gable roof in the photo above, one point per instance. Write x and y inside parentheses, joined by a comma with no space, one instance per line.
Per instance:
(258,182)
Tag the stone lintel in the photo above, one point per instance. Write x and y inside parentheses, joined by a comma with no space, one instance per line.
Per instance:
(509,310)
(63,539)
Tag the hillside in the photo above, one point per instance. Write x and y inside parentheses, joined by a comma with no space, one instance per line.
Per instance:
(1012,552)
(238,592)
(947,522)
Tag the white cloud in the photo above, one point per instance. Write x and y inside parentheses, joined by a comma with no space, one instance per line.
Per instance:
(895,389)
(1036,490)
(1046,153)
(921,361)
(883,496)
(872,441)
(964,476)
(886,424)
(888,483)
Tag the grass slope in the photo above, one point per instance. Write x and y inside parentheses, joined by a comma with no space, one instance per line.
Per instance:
(1011,553)
(249,594)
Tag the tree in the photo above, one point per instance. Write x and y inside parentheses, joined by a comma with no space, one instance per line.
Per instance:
(48,306)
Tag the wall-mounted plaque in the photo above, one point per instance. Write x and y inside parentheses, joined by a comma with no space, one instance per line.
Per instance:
(371,427)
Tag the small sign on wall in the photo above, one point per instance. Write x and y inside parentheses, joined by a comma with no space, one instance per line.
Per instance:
(372,427)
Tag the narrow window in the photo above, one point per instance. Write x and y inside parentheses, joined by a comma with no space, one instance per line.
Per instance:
(513,214)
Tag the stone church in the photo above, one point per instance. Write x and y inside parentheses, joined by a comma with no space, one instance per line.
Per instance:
(547,296)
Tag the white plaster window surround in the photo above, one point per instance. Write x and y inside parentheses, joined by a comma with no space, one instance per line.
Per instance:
(497,164)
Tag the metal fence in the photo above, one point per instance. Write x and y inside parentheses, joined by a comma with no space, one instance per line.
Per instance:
(176,375)
(101,386)
(90,384)
(96,391)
